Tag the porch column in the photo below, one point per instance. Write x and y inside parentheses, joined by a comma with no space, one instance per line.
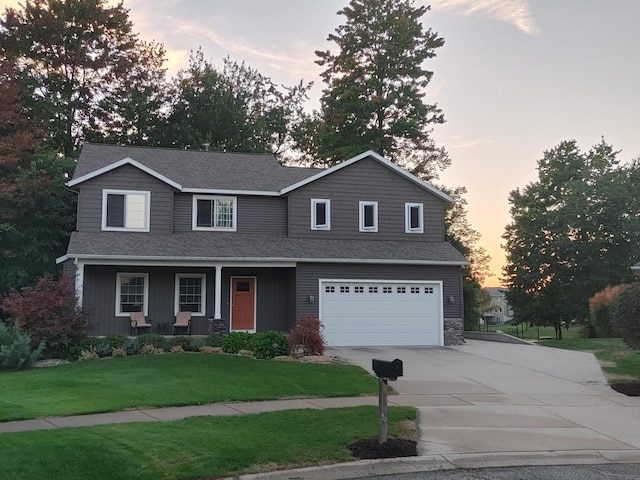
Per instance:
(79,282)
(217,314)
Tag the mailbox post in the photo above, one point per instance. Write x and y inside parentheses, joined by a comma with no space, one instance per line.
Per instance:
(385,371)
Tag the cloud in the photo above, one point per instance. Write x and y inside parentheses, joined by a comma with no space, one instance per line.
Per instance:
(514,12)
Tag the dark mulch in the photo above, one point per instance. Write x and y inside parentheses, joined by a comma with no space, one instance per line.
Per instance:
(629,389)
(394,447)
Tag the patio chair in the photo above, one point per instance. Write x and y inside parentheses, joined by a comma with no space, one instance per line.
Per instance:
(138,320)
(183,320)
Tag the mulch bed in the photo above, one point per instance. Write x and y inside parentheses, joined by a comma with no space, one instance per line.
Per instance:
(370,448)
(629,389)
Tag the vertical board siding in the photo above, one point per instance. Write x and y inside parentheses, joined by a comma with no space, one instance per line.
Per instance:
(309,274)
(366,180)
(274,308)
(266,215)
(126,177)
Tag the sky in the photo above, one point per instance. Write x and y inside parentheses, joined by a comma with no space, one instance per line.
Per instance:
(513,79)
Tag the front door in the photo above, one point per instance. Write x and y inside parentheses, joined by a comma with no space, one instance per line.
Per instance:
(243,304)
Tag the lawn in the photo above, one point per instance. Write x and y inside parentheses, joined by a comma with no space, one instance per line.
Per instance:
(169,380)
(195,448)
(620,363)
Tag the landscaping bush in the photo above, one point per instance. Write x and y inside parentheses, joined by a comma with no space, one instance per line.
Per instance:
(158,341)
(626,315)
(269,344)
(92,344)
(305,338)
(15,348)
(601,307)
(115,341)
(131,345)
(48,313)
(214,340)
(182,342)
(236,341)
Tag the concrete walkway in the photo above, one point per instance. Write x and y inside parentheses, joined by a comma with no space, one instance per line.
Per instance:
(480,404)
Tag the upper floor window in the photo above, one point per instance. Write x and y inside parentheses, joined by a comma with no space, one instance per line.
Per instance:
(320,214)
(368,216)
(190,294)
(125,210)
(413,222)
(214,213)
(132,293)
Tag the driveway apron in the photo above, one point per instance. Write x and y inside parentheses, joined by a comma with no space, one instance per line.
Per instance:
(487,397)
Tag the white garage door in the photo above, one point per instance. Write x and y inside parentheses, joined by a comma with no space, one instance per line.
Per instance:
(376,313)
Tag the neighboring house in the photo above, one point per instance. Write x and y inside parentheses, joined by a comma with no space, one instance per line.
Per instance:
(244,242)
(636,269)
(499,312)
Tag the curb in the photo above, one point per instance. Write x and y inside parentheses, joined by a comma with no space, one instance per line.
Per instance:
(428,463)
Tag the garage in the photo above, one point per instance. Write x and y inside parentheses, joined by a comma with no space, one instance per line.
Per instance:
(381,313)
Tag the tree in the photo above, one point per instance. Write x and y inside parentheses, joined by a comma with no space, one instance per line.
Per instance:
(573,232)
(233,109)
(375,95)
(72,55)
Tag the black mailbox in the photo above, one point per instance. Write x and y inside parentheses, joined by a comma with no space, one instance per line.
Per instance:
(387,369)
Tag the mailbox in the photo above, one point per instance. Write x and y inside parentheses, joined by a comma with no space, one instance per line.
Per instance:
(387,369)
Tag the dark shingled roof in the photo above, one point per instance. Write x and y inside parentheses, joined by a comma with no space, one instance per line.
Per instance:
(222,245)
(194,169)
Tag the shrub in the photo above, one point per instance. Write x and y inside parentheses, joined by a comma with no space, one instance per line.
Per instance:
(48,313)
(236,341)
(601,306)
(305,338)
(15,348)
(269,344)
(88,355)
(626,315)
(182,342)
(131,345)
(118,352)
(209,349)
(88,343)
(115,341)
(150,349)
(177,349)
(214,340)
(158,341)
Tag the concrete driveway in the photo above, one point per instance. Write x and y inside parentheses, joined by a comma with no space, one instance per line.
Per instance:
(487,397)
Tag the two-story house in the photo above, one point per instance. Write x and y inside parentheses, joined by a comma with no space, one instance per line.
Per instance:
(241,239)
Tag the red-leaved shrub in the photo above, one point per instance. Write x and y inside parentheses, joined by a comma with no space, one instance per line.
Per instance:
(305,338)
(48,313)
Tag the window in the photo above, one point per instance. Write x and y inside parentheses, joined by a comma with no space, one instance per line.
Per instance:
(125,210)
(358,289)
(190,294)
(214,213)
(329,289)
(373,289)
(132,293)
(320,214)
(387,290)
(344,289)
(368,216)
(401,289)
(413,218)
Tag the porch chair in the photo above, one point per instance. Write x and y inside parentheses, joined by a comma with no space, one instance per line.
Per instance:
(183,320)
(138,320)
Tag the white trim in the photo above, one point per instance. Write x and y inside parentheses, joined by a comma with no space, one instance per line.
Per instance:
(62,259)
(124,161)
(213,198)
(440,284)
(219,191)
(147,209)
(327,212)
(379,158)
(361,216)
(203,286)
(145,308)
(79,282)
(407,218)
(217,313)
(275,262)
(255,303)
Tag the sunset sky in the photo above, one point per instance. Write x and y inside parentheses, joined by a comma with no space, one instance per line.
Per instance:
(514,78)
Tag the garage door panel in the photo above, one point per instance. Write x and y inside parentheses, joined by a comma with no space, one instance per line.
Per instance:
(380,313)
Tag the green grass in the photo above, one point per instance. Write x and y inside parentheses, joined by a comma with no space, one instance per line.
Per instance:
(169,380)
(620,363)
(195,448)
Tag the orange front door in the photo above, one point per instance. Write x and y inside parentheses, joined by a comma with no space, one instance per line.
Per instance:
(243,303)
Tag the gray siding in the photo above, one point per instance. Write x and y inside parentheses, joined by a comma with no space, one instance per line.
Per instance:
(366,180)
(308,275)
(274,308)
(125,178)
(265,215)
